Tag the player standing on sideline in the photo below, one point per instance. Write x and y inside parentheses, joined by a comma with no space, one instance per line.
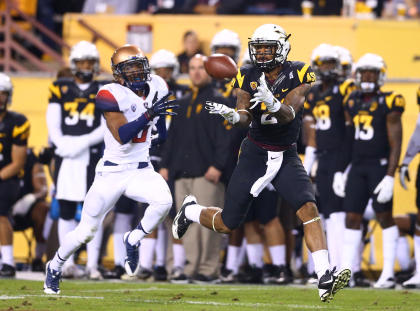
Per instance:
(412,149)
(324,118)
(131,106)
(77,131)
(271,94)
(375,118)
(14,133)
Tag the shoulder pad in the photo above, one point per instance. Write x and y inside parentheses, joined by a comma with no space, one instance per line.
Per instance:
(108,97)
(347,86)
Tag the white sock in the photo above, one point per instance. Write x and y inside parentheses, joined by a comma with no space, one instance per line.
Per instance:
(7,255)
(352,238)
(278,254)
(147,247)
(321,263)
(121,224)
(310,265)
(338,225)
(255,254)
(242,253)
(358,258)
(332,250)
(161,246)
(403,253)
(193,211)
(390,238)
(179,255)
(40,249)
(47,227)
(417,252)
(135,236)
(64,227)
(93,249)
(232,258)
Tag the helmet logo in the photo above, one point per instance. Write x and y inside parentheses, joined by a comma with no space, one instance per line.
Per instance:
(133,107)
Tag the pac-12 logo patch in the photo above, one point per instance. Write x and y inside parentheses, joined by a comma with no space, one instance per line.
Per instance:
(253,85)
(133,107)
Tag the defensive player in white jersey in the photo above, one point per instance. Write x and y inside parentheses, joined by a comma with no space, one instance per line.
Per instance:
(131,105)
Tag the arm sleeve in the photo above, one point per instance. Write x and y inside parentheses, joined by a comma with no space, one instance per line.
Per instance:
(21,132)
(54,122)
(413,145)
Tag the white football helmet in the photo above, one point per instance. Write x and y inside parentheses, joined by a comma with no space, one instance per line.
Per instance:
(164,59)
(6,86)
(325,53)
(346,60)
(372,62)
(269,34)
(81,51)
(226,38)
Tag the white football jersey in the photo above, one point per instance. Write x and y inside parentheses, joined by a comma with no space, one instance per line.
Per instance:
(132,106)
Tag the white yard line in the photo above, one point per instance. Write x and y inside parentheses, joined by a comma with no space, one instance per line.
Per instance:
(5,297)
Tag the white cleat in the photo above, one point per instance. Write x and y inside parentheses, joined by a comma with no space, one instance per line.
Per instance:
(385,283)
(413,282)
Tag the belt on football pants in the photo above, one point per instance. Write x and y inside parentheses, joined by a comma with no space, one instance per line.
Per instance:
(140,165)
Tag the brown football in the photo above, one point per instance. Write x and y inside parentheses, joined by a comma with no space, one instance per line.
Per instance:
(220,66)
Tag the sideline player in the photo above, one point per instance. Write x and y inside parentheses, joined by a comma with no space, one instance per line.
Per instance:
(374,117)
(131,106)
(14,133)
(270,98)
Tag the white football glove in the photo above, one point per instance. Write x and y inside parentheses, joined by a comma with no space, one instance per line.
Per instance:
(22,206)
(228,113)
(339,184)
(266,96)
(385,189)
(404,175)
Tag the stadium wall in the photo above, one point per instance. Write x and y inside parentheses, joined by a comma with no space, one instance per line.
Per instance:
(397,41)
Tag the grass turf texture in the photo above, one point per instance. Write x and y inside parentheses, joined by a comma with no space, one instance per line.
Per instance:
(18,295)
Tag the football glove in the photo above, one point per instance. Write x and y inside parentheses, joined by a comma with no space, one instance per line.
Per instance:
(161,107)
(339,184)
(23,205)
(404,175)
(385,189)
(265,95)
(228,113)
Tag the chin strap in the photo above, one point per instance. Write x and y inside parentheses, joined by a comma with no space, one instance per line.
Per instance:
(212,222)
(312,220)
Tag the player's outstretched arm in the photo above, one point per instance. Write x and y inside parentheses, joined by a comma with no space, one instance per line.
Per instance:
(293,102)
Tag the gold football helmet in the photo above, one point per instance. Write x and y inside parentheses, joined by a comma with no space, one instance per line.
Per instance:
(131,65)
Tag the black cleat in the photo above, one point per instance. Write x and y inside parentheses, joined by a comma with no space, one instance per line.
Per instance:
(331,282)
(160,273)
(181,222)
(7,271)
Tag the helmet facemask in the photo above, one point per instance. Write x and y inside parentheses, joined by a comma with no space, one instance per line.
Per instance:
(135,72)
(274,49)
(85,75)
(327,69)
(369,80)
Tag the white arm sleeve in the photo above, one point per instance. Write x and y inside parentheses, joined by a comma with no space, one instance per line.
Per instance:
(413,145)
(97,135)
(54,122)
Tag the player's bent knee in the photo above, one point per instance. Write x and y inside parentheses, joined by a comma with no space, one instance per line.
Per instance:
(84,233)
(307,211)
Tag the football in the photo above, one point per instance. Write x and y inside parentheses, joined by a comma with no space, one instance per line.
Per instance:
(220,66)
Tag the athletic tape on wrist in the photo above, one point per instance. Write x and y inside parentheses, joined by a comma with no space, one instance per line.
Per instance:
(212,222)
(312,220)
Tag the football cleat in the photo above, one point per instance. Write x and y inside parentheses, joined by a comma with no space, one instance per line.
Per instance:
(178,276)
(52,280)
(131,263)
(385,283)
(331,282)
(7,271)
(181,222)
(413,282)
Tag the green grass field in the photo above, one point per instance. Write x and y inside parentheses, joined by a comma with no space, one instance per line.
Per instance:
(97,296)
